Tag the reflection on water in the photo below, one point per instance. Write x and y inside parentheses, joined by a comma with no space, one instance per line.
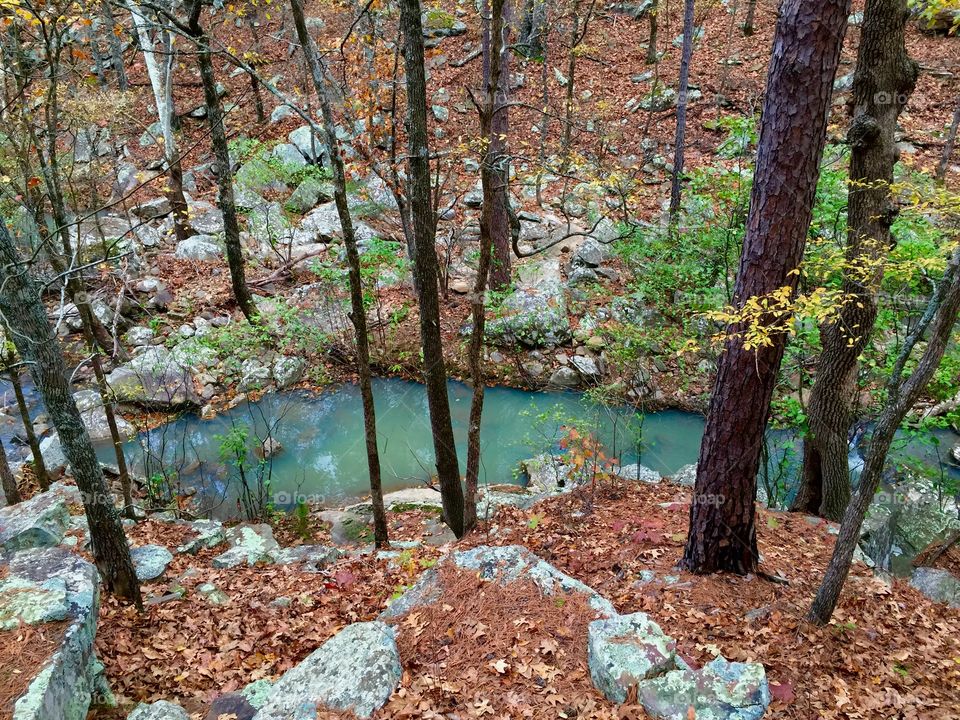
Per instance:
(324,454)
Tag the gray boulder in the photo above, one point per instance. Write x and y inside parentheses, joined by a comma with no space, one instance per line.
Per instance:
(624,650)
(94,416)
(63,688)
(502,565)
(289,156)
(721,690)
(287,371)
(535,313)
(209,534)
(155,379)
(639,473)
(160,710)
(150,561)
(309,145)
(938,585)
(309,193)
(249,545)
(357,670)
(685,476)
(31,603)
(590,254)
(201,248)
(564,377)
(42,521)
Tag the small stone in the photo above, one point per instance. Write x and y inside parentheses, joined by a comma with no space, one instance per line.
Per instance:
(150,561)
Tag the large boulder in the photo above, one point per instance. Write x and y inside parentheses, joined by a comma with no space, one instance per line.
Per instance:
(624,650)
(31,603)
(722,690)
(639,473)
(938,585)
(202,248)
(94,415)
(357,670)
(154,379)
(535,313)
(42,521)
(64,687)
(150,561)
(249,545)
(309,144)
(287,371)
(502,565)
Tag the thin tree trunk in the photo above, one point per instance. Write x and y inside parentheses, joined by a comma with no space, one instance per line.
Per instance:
(499,276)
(680,140)
(116,48)
(884,79)
(748,20)
(491,180)
(11,492)
(39,466)
(425,267)
(652,43)
(806,51)
(948,145)
(358,312)
(901,396)
(221,151)
(22,308)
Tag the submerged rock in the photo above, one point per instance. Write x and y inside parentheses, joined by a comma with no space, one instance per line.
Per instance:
(357,670)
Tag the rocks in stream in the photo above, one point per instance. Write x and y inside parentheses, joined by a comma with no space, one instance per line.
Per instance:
(356,670)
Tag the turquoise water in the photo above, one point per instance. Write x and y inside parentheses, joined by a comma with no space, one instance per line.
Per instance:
(324,460)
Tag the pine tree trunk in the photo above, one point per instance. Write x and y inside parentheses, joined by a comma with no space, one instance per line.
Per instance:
(806,51)
(358,312)
(221,151)
(680,140)
(425,267)
(11,492)
(39,466)
(901,396)
(22,308)
(884,79)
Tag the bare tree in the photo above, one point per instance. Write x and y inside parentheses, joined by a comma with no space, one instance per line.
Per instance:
(936,326)
(680,140)
(357,310)
(424,225)
(948,145)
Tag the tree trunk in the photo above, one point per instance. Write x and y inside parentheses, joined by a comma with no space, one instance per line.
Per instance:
(425,267)
(884,79)
(652,14)
(116,48)
(901,395)
(680,140)
(11,492)
(806,50)
(948,145)
(39,466)
(358,312)
(492,182)
(499,276)
(748,20)
(533,29)
(225,198)
(22,308)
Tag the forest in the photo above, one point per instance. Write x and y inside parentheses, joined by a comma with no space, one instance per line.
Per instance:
(506,358)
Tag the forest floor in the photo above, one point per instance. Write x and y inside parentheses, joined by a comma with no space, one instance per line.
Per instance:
(888,652)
